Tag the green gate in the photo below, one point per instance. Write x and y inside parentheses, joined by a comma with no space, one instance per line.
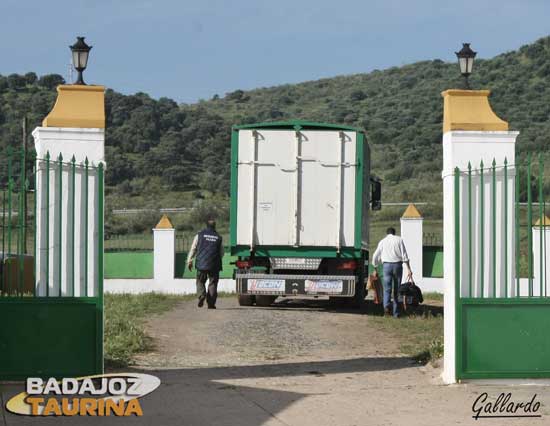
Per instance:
(51,267)
(502,320)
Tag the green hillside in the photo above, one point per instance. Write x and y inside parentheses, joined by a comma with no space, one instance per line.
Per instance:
(160,153)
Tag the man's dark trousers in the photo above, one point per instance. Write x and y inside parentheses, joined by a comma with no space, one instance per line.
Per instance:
(393,273)
(212,294)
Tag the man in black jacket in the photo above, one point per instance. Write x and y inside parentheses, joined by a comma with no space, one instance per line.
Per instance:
(207,250)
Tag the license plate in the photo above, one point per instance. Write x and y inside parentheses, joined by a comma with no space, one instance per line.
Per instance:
(266,285)
(324,286)
(295,261)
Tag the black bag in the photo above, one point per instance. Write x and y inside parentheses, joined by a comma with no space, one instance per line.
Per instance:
(410,294)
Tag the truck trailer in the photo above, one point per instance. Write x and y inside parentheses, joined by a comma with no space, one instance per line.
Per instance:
(299,220)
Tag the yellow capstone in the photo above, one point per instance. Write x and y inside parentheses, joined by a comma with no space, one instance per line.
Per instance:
(545,222)
(469,110)
(411,212)
(78,106)
(164,223)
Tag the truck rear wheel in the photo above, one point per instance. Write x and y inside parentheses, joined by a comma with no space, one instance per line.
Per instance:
(358,301)
(265,300)
(246,300)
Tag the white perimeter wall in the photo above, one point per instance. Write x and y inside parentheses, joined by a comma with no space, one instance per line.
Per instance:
(174,286)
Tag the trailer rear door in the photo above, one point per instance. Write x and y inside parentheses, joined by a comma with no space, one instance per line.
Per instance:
(296,188)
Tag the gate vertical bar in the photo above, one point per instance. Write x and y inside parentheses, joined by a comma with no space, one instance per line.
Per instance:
(544,236)
(73,238)
(10,189)
(47,223)
(470,281)
(24,178)
(35,167)
(17,257)
(529,226)
(2,280)
(60,224)
(517,229)
(545,256)
(458,301)
(494,225)
(86,227)
(8,275)
(482,228)
(505,240)
(20,244)
(100,226)
(541,221)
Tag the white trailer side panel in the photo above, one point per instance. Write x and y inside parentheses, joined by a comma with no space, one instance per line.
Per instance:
(285,202)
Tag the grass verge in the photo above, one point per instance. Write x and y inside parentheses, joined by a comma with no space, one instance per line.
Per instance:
(421,333)
(433,297)
(125,316)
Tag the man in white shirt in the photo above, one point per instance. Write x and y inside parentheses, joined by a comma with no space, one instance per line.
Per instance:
(391,252)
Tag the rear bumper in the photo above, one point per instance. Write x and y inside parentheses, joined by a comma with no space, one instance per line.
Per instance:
(294,285)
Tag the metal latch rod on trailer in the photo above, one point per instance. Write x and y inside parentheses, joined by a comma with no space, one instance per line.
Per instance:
(297,188)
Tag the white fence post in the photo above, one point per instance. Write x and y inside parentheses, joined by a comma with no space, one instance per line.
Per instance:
(164,253)
(472,133)
(411,232)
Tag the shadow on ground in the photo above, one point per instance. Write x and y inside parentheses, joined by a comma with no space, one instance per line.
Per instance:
(329,306)
(199,396)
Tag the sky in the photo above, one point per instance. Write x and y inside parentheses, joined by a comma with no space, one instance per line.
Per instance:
(190,50)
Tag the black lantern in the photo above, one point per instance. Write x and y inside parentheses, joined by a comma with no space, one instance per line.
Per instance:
(466,61)
(80,52)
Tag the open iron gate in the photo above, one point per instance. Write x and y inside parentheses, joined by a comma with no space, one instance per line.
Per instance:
(51,268)
(501,227)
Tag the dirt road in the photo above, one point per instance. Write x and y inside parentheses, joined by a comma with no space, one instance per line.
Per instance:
(304,364)
(234,335)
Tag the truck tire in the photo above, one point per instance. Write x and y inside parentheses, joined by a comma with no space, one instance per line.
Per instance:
(246,300)
(358,301)
(265,301)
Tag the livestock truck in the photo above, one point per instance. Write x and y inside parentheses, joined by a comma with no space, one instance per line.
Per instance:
(299,220)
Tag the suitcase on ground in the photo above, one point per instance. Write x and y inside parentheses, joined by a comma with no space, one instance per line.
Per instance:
(409,294)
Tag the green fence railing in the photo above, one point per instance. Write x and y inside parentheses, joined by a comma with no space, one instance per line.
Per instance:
(142,242)
(16,262)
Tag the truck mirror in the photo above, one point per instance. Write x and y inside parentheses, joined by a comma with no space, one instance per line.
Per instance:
(376,194)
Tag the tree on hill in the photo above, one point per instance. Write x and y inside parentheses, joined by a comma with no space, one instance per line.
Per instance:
(51,81)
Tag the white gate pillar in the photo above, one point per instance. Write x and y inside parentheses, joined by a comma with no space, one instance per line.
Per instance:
(74,127)
(164,253)
(541,239)
(411,232)
(471,133)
